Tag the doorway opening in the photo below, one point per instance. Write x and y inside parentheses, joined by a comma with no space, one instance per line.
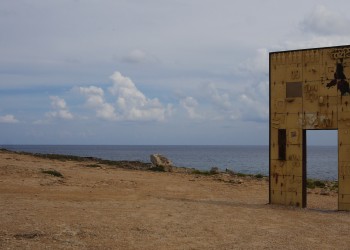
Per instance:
(321,170)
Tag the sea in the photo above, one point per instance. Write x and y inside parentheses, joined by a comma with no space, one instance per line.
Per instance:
(322,161)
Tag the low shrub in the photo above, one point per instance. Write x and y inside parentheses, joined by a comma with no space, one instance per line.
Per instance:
(334,186)
(258,176)
(196,171)
(214,170)
(315,183)
(52,172)
(157,169)
(241,175)
(93,166)
(58,157)
(310,184)
(319,184)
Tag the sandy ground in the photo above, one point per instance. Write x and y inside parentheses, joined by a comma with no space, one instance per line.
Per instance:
(111,208)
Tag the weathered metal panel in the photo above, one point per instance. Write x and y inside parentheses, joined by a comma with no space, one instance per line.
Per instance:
(277,67)
(343,136)
(293,184)
(314,101)
(294,152)
(294,168)
(278,121)
(309,90)
(278,89)
(343,120)
(278,167)
(277,197)
(344,184)
(293,199)
(294,136)
(294,120)
(278,182)
(294,73)
(312,56)
(344,168)
(343,104)
(311,72)
(323,90)
(344,206)
(344,153)
(274,144)
(344,198)
(293,165)
(293,105)
(311,96)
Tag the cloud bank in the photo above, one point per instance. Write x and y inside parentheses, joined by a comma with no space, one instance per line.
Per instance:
(60,109)
(323,21)
(129,104)
(196,64)
(8,119)
(95,100)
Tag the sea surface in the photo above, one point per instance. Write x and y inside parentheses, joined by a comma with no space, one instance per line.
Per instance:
(322,161)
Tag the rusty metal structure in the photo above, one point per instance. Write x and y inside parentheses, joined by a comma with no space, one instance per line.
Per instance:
(309,90)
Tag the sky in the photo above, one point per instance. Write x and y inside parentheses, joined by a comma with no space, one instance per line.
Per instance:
(155,72)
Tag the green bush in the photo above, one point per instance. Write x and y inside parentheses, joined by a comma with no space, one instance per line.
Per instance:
(59,157)
(259,176)
(241,175)
(310,184)
(334,186)
(196,171)
(157,169)
(52,172)
(92,166)
(319,184)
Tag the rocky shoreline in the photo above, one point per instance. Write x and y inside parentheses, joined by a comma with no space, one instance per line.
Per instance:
(316,186)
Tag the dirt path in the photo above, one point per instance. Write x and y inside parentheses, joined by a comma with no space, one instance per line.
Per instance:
(109,208)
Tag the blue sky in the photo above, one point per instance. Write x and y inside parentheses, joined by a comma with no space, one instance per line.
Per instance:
(150,72)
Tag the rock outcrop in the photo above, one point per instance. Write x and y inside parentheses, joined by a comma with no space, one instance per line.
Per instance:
(161,161)
(214,170)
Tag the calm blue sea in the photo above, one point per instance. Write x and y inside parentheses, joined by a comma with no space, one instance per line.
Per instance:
(322,161)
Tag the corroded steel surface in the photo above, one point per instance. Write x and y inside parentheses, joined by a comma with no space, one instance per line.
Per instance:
(309,90)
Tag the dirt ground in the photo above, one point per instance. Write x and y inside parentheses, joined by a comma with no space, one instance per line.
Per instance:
(102,207)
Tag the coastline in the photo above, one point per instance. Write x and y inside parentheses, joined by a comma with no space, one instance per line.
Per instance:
(322,161)
(103,206)
(141,165)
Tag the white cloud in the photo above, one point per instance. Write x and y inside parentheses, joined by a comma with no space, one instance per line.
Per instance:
(8,119)
(132,104)
(253,102)
(58,103)
(253,110)
(246,102)
(92,90)
(323,21)
(95,100)
(135,56)
(190,105)
(60,109)
(219,98)
(255,65)
(223,102)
